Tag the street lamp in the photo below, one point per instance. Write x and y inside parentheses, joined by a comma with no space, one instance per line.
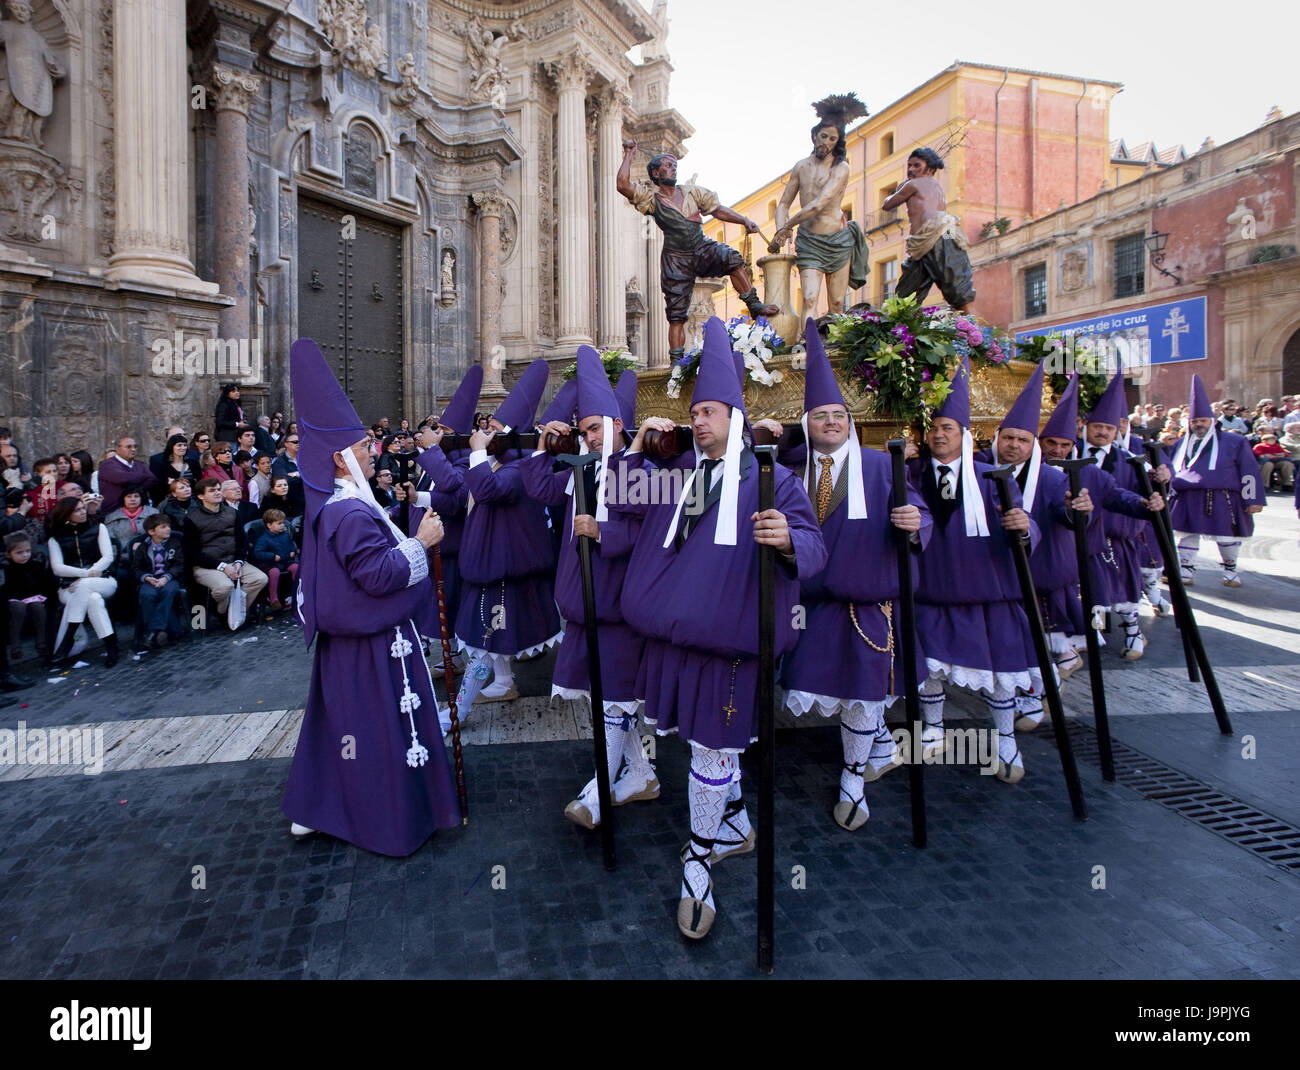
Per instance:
(1155,243)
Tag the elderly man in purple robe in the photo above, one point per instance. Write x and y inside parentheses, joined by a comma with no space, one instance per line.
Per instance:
(845,658)
(691,589)
(1054,563)
(1216,489)
(369,766)
(507,563)
(600,426)
(969,612)
(1059,444)
(1125,553)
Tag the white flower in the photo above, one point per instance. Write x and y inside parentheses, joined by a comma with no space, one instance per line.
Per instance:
(677,372)
(673,389)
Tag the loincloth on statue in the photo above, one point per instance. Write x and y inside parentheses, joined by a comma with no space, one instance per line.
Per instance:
(830,252)
(942,261)
(679,270)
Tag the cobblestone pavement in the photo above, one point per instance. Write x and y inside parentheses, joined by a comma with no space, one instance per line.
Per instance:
(97,873)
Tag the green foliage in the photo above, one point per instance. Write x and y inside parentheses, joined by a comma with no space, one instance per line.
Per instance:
(615,360)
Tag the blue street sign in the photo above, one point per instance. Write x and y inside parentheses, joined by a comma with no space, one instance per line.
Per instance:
(1153,334)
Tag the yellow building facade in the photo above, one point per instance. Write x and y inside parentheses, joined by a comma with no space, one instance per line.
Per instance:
(1016,143)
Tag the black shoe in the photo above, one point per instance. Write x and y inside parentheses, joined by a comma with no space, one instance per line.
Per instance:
(62,658)
(10,682)
(112,654)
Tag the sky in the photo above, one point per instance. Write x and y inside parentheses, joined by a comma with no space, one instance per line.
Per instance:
(746,74)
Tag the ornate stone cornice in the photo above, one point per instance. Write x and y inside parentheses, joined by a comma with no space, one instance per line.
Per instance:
(489,203)
(233,89)
(572,71)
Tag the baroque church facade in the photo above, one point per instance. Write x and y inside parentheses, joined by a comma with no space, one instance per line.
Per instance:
(186,186)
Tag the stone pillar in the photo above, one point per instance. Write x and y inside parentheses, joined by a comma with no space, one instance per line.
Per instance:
(151,146)
(234,92)
(610,295)
(657,310)
(490,204)
(571,74)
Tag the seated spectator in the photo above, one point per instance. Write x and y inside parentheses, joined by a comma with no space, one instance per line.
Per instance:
(230,494)
(278,498)
(262,436)
(200,444)
(178,503)
(1231,419)
(287,465)
(214,548)
(126,522)
(260,484)
(245,440)
(223,465)
(171,466)
(17,509)
(276,430)
(1272,457)
(1274,418)
(11,469)
(64,464)
(46,492)
(244,463)
(83,469)
(120,470)
(158,567)
(27,588)
(1290,440)
(81,554)
(277,554)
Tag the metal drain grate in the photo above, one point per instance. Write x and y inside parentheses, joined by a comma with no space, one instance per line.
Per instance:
(1272,839)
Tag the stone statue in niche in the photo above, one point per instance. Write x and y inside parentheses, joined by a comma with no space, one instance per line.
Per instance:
(1242,220)
(448,272)
(27,94)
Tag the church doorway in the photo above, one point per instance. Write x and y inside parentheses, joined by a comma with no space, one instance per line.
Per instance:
(1291,364)
(350,303)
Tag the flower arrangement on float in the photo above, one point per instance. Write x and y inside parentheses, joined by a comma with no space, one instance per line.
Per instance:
(755,340)
(1064,354)
(903,356)
(615,360)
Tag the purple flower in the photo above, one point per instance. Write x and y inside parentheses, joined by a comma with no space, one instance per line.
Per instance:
(930,310)
(926,375)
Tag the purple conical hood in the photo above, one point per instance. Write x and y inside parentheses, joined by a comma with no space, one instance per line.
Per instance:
(626,394)
(1064,421)
(595,395)
(459,413)
(520,406)
(1111,407)
(1025,413)
(1199,405)
(956,405)
(717,379)
(326,417)
(819,385)
(562,406)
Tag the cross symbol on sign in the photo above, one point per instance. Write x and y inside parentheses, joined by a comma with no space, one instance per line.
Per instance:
(1174,326)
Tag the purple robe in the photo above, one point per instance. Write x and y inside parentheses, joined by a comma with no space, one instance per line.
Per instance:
(360,789)
(621,648)
(831,659)
(969,609)
(506,561)
(697,606)
(448,497)
(1214,503)
(1127,533)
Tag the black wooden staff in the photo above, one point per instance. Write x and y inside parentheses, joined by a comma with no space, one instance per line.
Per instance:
(1182,604)
(579,465)
(449,681)
(1003,477)
(907,636)
(766,456)
(1098,686)
(1162,518)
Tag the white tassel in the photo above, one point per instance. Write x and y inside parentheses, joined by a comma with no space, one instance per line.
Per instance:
(401,647)
(417,754)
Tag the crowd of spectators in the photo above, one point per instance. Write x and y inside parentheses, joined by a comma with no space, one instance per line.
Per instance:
(91,545)
(1273,431)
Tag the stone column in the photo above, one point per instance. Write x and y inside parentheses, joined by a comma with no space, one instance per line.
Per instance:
(234,91)
(490,204)
(656,309)
(610,294)
(151,146)
(571,74)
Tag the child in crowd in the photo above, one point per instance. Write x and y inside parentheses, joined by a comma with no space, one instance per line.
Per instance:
(27,587)
(277,554)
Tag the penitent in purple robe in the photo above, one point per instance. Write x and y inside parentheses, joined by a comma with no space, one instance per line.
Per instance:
(697,606)
(507,565)
(969,609)
(1214,502)
(350,776)
(1123,552)
(444,483)
(832,663)
(621,648)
